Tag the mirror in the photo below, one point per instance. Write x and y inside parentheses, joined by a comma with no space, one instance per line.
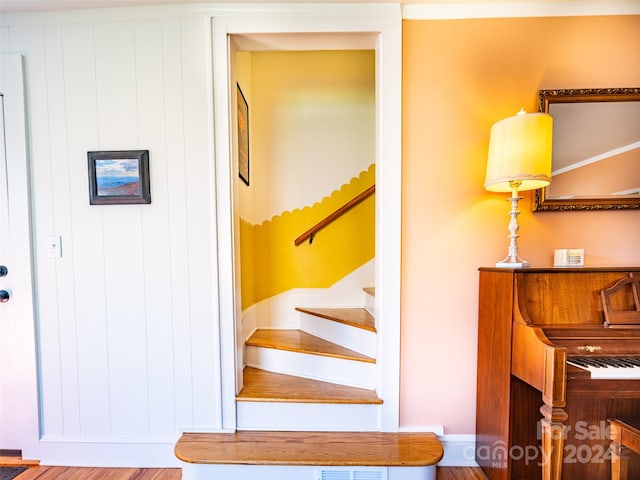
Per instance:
(596,150)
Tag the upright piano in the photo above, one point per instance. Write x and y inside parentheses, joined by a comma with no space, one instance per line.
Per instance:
(543,392)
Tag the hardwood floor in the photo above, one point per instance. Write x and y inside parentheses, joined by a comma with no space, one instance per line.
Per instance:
(91,473)
(85,473)
(460,473)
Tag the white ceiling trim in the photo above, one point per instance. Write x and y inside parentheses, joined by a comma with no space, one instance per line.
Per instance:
(444,11)
(411,9)
(114,10)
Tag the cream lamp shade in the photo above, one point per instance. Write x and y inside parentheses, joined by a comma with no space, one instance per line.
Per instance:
(519,159)
(520,150)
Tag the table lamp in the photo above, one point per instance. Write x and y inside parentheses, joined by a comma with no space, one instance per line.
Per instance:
(519,159)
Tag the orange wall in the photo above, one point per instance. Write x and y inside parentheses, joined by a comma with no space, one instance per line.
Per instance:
(459,77)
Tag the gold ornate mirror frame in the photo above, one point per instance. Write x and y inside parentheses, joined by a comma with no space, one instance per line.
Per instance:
(546,99)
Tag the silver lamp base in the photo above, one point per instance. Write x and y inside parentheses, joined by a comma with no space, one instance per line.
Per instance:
(513,264)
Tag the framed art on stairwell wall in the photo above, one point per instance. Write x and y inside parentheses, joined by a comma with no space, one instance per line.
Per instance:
(243,137)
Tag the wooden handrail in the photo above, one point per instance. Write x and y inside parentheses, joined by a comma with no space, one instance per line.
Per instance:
(331,217)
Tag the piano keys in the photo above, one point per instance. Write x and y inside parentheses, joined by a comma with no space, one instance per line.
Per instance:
(608,368)
(540,413)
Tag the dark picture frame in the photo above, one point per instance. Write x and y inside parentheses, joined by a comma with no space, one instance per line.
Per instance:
(243,137)
(582,103)
(119,177)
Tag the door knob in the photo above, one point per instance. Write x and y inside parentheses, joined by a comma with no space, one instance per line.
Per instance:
(3,271)
(4,296)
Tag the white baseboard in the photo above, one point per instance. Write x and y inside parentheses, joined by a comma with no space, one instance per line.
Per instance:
(108,452)
(459,451)
(437,429)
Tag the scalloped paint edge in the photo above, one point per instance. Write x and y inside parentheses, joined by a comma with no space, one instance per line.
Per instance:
(271,264)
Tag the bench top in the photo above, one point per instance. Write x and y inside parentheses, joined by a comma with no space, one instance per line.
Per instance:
(311,448)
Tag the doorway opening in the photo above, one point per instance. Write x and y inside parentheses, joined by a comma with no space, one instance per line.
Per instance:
(385,150)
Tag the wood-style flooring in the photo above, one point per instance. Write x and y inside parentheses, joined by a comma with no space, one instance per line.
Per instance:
(91,473)
(460,473)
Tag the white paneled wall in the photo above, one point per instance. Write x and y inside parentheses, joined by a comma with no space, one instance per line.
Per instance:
(127,318)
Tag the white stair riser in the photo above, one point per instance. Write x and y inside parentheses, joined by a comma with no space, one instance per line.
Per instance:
(370,305)
(315,367)
(313,417)
(357,339)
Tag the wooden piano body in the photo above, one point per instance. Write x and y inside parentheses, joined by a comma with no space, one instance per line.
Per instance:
(537,416)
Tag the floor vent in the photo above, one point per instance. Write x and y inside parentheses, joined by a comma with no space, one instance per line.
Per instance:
(351,474)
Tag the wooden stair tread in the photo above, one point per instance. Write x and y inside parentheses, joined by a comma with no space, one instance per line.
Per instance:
(264,386)
(10,460)
(356,317)
(371,449)
(370,291)
(302,342)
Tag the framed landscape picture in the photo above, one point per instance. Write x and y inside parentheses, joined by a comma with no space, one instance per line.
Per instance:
(119,177)
(243,137)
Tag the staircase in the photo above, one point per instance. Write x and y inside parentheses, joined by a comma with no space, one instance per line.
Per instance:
(319,377)
(309,410)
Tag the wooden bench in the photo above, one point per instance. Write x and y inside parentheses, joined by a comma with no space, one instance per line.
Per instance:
(625,438)
(276,455)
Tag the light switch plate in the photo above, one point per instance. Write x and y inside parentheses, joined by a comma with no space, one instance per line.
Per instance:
(54,246)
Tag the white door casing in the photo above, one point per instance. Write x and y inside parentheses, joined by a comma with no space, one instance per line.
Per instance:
(19,422)
(342,27)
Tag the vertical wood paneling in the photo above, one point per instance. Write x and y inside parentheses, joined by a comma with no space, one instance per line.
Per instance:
(4,38)
(126,319)
(199,177)
(155,228)
(65,322)
(87,242)
(115,83)
(177,208)
(123,246)
(127,316)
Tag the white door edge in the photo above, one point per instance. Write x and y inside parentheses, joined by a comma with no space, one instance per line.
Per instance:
(20,428)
